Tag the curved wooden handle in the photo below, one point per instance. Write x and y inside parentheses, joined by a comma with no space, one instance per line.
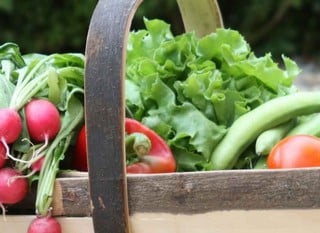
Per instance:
(104,111)
(201,16)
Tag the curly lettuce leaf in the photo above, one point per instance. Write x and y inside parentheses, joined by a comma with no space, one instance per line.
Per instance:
(190,90)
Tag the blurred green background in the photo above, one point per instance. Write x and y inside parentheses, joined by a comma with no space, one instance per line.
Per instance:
(289,27)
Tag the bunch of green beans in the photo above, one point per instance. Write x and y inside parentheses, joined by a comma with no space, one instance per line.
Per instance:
(246,129)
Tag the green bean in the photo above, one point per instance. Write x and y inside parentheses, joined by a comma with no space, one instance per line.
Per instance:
(269,138)
(310,126)
(246,128)
(261,163)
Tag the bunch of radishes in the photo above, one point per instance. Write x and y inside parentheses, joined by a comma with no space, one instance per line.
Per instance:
(43,123)
(41,106)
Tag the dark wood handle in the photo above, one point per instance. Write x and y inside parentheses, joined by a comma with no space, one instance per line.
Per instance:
(104,101)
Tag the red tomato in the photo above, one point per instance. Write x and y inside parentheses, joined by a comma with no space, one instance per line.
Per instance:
(79,161)
(295,152)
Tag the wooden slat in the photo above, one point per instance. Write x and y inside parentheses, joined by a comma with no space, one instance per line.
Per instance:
(225,190)
(234,221)
(189,193)
(71,197)
(193,193)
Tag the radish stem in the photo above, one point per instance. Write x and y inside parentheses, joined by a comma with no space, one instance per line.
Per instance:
(9,155)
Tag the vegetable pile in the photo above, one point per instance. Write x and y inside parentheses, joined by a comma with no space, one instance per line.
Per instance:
(216,104)
(192,91)
(192,104)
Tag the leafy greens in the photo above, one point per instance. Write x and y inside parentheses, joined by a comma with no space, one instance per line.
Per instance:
(190,90)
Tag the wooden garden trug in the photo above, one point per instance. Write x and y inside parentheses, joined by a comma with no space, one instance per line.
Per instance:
(114,196)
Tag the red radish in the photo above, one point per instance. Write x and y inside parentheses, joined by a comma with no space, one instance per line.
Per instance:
(43,120)
(10,128)
(2,155)
(46,224)
(11,190)
(10,125)
(35,167)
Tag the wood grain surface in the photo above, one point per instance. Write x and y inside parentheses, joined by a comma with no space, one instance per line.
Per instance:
(199,192)
(234,221)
